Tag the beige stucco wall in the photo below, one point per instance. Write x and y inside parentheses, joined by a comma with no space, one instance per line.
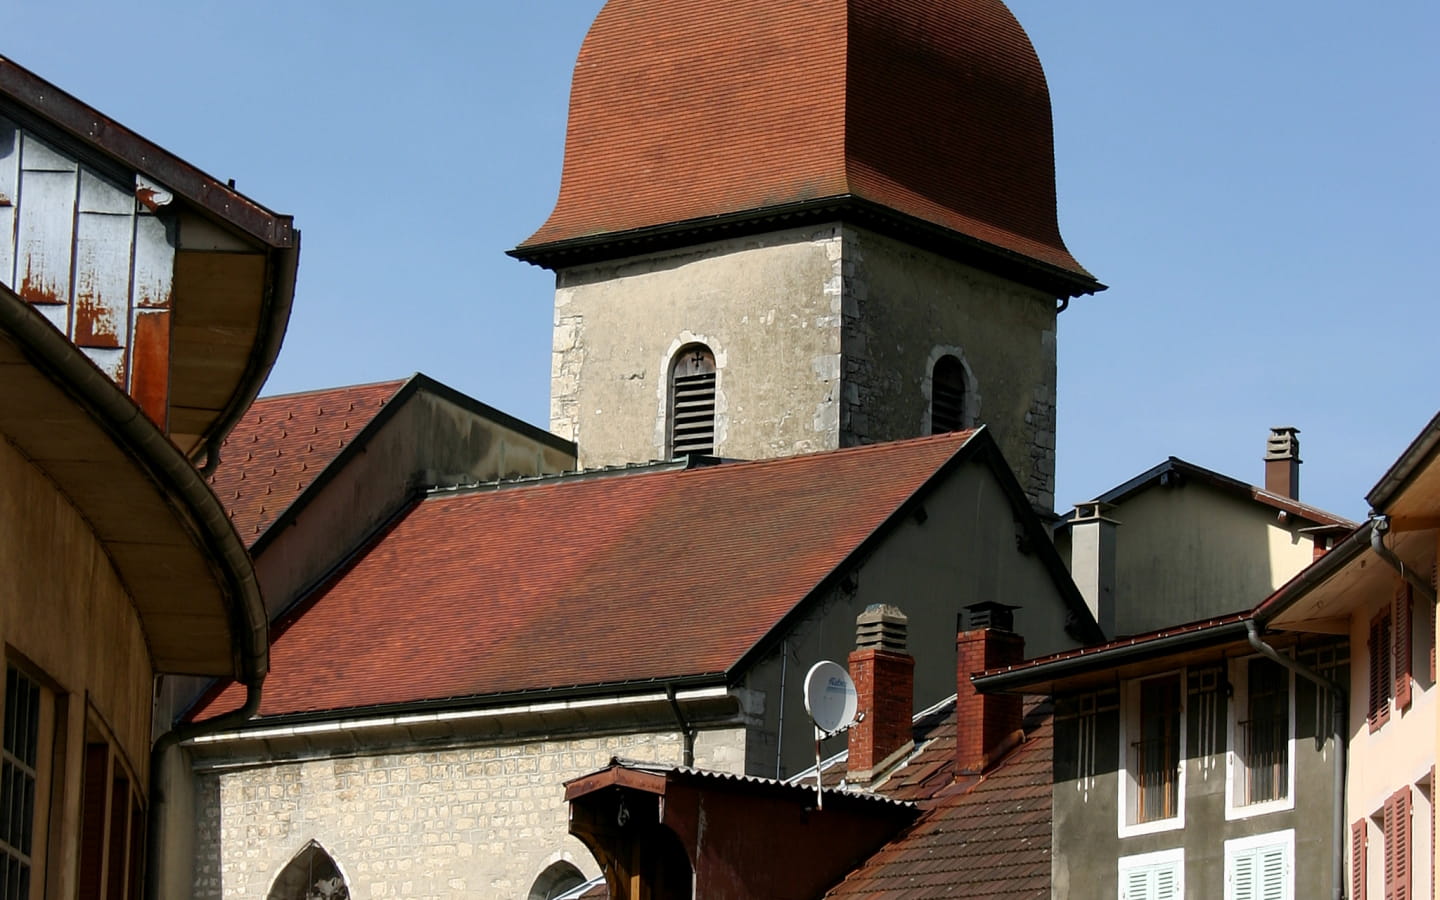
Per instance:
(823,337)
(64,610)
(1191,552)
(461,822)
(1400,753)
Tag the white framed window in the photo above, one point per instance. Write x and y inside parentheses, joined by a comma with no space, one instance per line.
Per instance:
(1260,762)
(1261,867)
(1152,741)
(1153,876)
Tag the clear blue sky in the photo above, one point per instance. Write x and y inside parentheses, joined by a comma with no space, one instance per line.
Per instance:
(1256,181)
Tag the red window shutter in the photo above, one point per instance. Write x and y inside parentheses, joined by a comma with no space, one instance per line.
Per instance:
(1403,846)
(1357,860)
(1402,646)
(1379,707)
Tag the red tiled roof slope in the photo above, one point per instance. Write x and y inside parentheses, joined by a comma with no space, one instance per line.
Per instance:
(282,443)
(576,582)
(981,839)
(687,109)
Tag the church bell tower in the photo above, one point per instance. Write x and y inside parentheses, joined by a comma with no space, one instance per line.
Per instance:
(790,226)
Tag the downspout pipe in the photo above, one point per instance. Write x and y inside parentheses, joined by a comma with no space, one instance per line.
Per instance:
(687,731)
(1337,863)
(1379,526)
(163,746)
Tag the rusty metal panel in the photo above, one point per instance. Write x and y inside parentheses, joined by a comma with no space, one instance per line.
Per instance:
(9,196)
(104,228)
(45,232)
(154,261)
(150,365)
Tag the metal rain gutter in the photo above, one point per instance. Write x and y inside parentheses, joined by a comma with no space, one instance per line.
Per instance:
(1337,862)
(117,414)
(1381,525)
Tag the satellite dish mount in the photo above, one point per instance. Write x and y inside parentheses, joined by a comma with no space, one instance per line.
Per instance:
(831,702)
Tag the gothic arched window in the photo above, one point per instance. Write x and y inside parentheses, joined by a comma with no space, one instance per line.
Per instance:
(947,396)
(311,875)
(557,878)
(692,401)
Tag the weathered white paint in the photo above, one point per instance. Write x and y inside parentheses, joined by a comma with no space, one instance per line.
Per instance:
(89,252)
(104,228)
(154,262)
(46,233)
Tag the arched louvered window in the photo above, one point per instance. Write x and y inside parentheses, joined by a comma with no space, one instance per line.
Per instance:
(692,401)
(311,875)
(947,396)
(557,878)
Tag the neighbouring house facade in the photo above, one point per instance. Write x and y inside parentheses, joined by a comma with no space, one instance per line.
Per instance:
(752,265)
(1181,543)
(141,305)
(428,702)
(1193,762)
(1377,590)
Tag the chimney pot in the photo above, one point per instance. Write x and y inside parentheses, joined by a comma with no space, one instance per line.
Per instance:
(883,626)
(989,614)
(1282,462)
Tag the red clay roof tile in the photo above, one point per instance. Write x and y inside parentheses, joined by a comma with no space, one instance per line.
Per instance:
(988,838)
(282,443)
(686,109)
(580,582)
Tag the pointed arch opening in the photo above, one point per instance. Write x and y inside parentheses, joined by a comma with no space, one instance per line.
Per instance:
(557,878)
(311,875)
(947,395)
(692,402)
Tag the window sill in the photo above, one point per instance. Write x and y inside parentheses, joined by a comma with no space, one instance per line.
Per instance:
(1249,811)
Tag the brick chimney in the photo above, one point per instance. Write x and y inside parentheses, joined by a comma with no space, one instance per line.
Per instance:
(987,725)
(884,676)
(1282,462)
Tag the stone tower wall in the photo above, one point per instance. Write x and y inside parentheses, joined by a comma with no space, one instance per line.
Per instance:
(767,306)
(903,308)
(823,338)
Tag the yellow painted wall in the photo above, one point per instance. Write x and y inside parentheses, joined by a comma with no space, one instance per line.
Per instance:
(64,612)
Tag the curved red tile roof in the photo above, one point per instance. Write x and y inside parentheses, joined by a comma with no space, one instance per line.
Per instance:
(687,109)
(283,442)
(652,575)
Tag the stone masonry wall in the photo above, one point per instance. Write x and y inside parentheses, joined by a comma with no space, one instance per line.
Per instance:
(479,821)
(902,308)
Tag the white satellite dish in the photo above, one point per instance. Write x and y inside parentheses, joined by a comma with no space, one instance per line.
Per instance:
(830,697)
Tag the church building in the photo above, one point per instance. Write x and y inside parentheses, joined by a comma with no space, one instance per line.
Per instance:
(808,270)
